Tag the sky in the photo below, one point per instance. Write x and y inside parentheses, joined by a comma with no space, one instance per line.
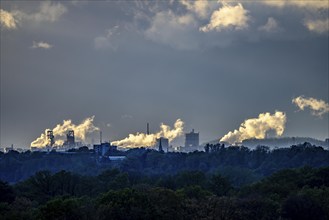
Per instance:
(211,64)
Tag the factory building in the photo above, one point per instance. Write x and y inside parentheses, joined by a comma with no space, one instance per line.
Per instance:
(104,148)
(162,144)
(7,149)
(117,158)
(50,138)
(192,140)
(70,139)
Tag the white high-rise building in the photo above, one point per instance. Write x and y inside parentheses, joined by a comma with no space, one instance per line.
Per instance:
(192,140)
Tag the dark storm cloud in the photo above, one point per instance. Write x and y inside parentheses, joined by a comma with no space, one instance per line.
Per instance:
(152,62)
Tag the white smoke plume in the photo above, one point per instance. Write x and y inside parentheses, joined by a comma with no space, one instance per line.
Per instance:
(318,106)
(7,19)
(228,16)
(257,127)
(148,140)
(42,45)
(80,132)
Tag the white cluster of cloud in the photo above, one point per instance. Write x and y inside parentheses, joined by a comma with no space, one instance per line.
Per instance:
(171,29)
(205,16)
(317,106)
(185,30)
(148,140)
(227,16)
(7,20)
(80,132)
(257,127)
(319,26)
(200,7)
(270,26)
(42,45)
(167,23)
(312,4)
(47,12)
(108,40)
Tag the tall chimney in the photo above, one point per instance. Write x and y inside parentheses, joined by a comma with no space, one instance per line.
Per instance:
(148,129)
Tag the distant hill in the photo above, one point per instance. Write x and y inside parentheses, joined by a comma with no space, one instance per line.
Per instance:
(278,142)
(283,142)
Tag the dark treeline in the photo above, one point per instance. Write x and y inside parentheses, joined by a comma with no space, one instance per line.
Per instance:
(288,194)
(220,183)
(239,164)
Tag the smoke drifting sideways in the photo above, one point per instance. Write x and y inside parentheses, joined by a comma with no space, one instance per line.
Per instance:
(80,132)
(148,140)
(318,107)
(257,127)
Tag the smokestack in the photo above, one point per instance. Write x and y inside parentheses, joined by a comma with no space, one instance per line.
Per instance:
(160,145)
(147,129)
(50,138)
(100,137)
(148,140)
(60,130)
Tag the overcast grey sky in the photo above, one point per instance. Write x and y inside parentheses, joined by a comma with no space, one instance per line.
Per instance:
(211,64)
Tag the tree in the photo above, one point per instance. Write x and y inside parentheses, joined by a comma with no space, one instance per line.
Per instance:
(193,192)
(219,185)
(60,208)
(189,178)
(6,193)
(65,183)
(301,207)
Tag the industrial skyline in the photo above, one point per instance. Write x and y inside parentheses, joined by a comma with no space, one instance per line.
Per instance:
(232,70)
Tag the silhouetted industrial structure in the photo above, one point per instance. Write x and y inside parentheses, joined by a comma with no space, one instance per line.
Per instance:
(70,139)
(104,149)
(50,138)
(192,140)
(162,144)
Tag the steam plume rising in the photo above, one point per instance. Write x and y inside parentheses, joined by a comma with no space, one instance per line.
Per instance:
(7,19)
(80,132)
(257,127)
(147,140)
(318,106)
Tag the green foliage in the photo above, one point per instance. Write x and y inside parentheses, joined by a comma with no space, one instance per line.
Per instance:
(20,208)
(61,208)
(246,165)
(236,208)
(302,207)
(190,178)
(156,203)
(238,176)
(194,192)
(288,182)
(6,193)
(221,184)
(320,196)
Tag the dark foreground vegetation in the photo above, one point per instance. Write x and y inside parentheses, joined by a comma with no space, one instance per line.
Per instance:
(220,183)
(288,194)
(240,164)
